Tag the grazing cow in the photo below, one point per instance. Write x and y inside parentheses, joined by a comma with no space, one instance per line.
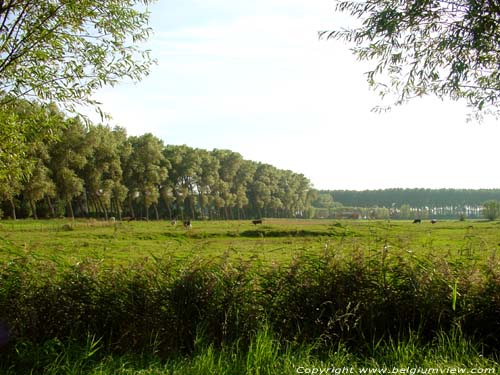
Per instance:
(173,222)
(112,218)
(434,221)
(255,222)
(187,224)
(417,221)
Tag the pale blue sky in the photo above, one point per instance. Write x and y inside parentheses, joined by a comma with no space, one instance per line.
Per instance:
(252,76)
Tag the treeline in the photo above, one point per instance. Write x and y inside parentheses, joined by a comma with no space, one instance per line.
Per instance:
(404,203)
(418,198)
(88,170)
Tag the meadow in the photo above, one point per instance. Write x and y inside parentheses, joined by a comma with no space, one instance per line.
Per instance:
(226,297)
(277,240)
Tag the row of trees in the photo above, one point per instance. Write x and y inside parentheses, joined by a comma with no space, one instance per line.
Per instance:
(404,203)
(87,170)
(418,198)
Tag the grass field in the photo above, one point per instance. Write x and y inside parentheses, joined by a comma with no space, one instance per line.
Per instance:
(288,296)
(275,240)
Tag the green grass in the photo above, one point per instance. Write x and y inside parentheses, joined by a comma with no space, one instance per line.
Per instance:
(276,240)
(91,297)
(265,355)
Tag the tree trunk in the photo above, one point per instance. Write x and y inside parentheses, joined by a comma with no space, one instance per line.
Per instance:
(33,209)
(101,205)
(13,207)
(112,208)
(70,207)
(118,209)
(132,213)
(49,203)
(84,204)
(191,207)
(156,212)
(83,207)
(93,204)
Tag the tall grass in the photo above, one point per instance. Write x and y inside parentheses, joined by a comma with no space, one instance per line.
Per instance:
(266,355)
(385,306)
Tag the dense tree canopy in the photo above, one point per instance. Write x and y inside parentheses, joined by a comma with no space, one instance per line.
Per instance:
(95,171)
(55,51)
(446,48)
(63,51)
(24,128)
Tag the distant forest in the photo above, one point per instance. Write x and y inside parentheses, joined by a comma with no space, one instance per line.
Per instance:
(404,203)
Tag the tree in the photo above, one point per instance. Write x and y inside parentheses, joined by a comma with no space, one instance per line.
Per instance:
(242,181)
(68,157)
(405,211)
(40,184)
(8,190)
(491,209)
(23,126)
(103,171)
(447,48)
(207,180)
(184,177)
(145,171)
(63,51)
(124,149)
(261,189)
(227,187)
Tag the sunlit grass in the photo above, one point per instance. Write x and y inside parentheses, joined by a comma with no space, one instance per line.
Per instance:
(275,240)
(265,356)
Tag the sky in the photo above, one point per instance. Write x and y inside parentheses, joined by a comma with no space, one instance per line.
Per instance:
(252,76)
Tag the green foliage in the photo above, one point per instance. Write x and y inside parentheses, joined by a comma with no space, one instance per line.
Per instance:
(25,127)
(92,170)
(63,51)
(103,172)
(59,52)
(491,209)
(145,171)
(448,49)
